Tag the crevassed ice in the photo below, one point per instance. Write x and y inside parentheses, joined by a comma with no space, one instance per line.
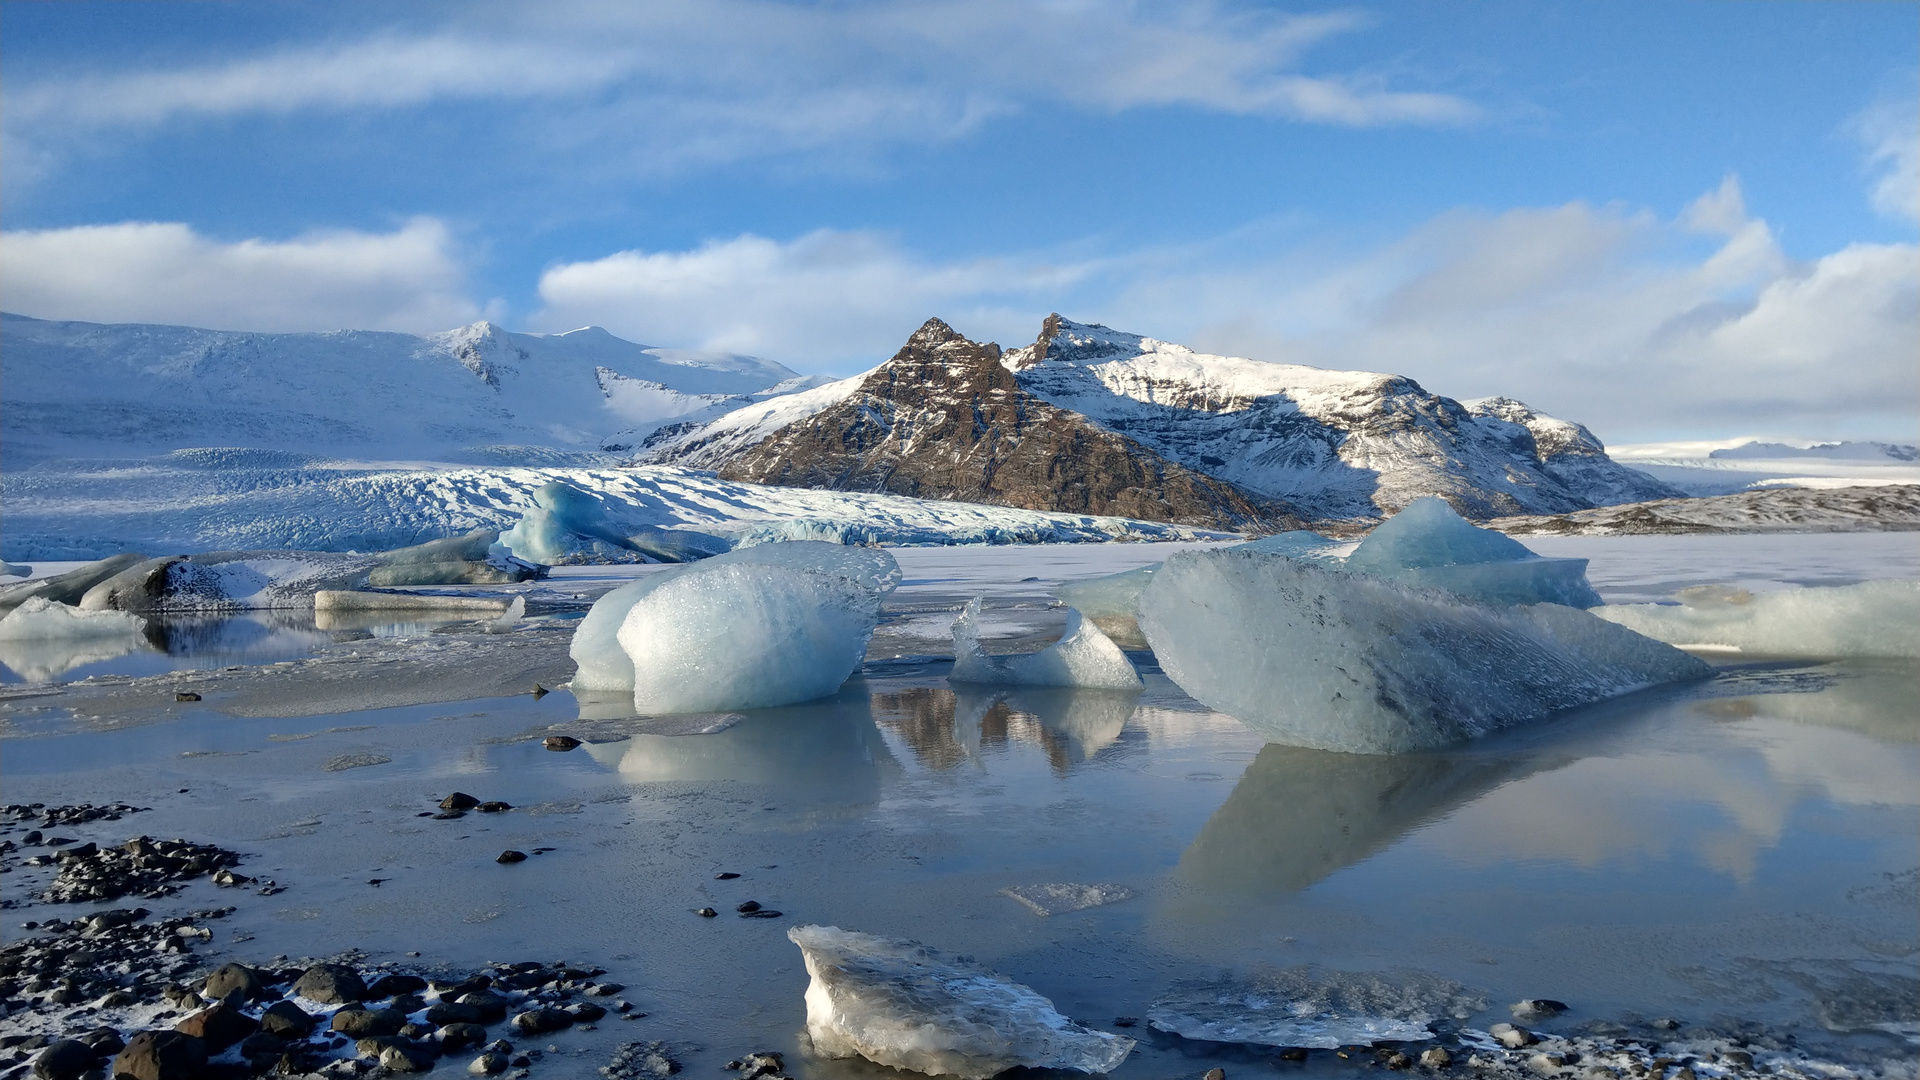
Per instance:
(1082,657)
(1426,543)
(563,524)
(604,664)
(1318,657)
(40,619)
(1308,1006)
(899,1003)
(1870,619)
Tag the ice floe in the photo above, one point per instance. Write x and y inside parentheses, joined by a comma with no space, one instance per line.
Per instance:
(40,619)
(1320,657)
(1061,897)
(1313,1007)
(1869,619)
(1082,657)
(900,1003)
(468,559)
(228,581)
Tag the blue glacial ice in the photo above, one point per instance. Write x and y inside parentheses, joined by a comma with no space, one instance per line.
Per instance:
(900,1003)
(567,525)
(1869,619)
(1428,544)
(1314,656)
(1082,657)
(753,628)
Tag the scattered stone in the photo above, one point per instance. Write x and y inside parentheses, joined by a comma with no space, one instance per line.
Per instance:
(1547,1062)
(560,743)
(453,1012)
(233,978)
(604,989)
(285,1020)
(161,1055)
(511,857)
(1511,1037)
(457,1037)
(542,1021)
(493,1007)
(585,1013)
(1294,1053)
(364,1023)
(1215,1073)
(262,1044)
(643,1061)
(186,695)
(1739,1059)
(1125,1021)
(1537,1008)
(330,984)
(1398,1060)
(1667,1023)
(143,866)
(761,913)
(539,691)
(488,1064)
(1435,1057)
(494,806)
(65,1060)
(459,800)
(705,912)
(725,875)
(219,1026)
(387,986)
(406,1057)
(749,907)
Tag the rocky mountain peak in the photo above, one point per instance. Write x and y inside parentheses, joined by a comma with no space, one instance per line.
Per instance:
(1071,342)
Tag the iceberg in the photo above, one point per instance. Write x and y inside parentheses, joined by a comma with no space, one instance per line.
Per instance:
(1311,1007)
(69,587)
(1082,657)
(566,526)
(748,629)
(40,619)
(456,560)
(218,581)
(1869,619)
(899,1003)
(1112,601)
(1319,657)
(1428,544)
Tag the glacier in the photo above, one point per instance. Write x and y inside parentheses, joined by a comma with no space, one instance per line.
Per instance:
(1312,1007)
(1083,657)
(747,629)
(1867,619)
(1325,658)
(901,1004)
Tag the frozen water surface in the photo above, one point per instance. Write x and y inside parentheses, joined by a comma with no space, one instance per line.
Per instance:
(1740,848)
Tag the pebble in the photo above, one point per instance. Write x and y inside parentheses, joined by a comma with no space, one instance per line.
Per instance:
(186,695)
(705,912)
(560,743)
(1537,1007)
(725,875)
(1215,1073)
(1435,1057)
(459,800)
(493,807)
(511,857)
(749,907)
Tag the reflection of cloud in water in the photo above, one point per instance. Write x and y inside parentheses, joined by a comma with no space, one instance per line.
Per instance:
(944,727)
(1298,815)
(1848,739)
(825,752)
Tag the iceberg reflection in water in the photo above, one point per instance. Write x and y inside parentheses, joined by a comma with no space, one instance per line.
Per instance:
(945,727)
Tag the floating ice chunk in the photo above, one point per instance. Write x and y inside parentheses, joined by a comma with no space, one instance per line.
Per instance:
(1111,594)
(19,570)
(509,618)
(40,619)
(899,1003)
(225,581)
(1313,656)
(604,664)
(1059,898)
(455,560)
(1428,544)
(1082,657)
(566,525)
(1306,1006)
(69,587)
(1872,618)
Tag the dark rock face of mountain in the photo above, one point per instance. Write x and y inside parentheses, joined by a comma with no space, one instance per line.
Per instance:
(945,419)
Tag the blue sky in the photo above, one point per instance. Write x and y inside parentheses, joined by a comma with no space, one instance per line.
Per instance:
(1667,220)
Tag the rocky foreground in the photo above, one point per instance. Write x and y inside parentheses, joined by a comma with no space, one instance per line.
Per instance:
(1887,508)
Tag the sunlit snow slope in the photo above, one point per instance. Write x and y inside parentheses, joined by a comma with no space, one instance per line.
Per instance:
(92,390)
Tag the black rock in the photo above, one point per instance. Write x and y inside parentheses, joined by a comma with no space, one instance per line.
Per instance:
(233,978)
(542,1021)
(560,742)
(457,1037)
(186,695)
(391,985)
(459,800)
(446,1013)
(262,1044)
(705,912)
(161,1055)
(361,1023)
(493,1007)
(65,1060)
(726,875)
(511,857)
(219,1026)
(749,907)
(1125,1021)
(584,1013)
(494,806)
(285,1020)
(449,815)
(330,984)
(762,913)
(407,1057)
(105,1040)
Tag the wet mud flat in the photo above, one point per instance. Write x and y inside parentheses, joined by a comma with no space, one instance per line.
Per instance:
(1719,878)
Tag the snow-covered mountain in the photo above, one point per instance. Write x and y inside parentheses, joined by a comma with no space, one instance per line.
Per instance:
(90,390)
(1331,444)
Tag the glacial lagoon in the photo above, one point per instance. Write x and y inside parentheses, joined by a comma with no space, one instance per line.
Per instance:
(1739,851)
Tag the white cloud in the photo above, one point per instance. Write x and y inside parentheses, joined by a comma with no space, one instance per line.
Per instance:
(409,279)
(1636,326)
(844,299)
(1890,133)
(713,80)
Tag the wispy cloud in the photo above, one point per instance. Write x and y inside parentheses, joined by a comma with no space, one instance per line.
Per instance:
(1889,131)
(164,272)
(681,81)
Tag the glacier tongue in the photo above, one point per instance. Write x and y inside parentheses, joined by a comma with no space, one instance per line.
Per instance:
(1872,618)
(1323,658)
(1306,1006)
(1082,657)
(899,1003)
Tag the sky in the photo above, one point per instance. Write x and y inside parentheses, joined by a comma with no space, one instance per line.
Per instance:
(1664,220)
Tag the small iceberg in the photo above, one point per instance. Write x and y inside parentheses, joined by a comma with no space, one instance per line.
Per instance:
(470,559)
(754,628)
(1318,657)
(1311,1007)
(40,619)
(899,1003)
(566,525)
(1870,619)
(1428,544)
(1083,657)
